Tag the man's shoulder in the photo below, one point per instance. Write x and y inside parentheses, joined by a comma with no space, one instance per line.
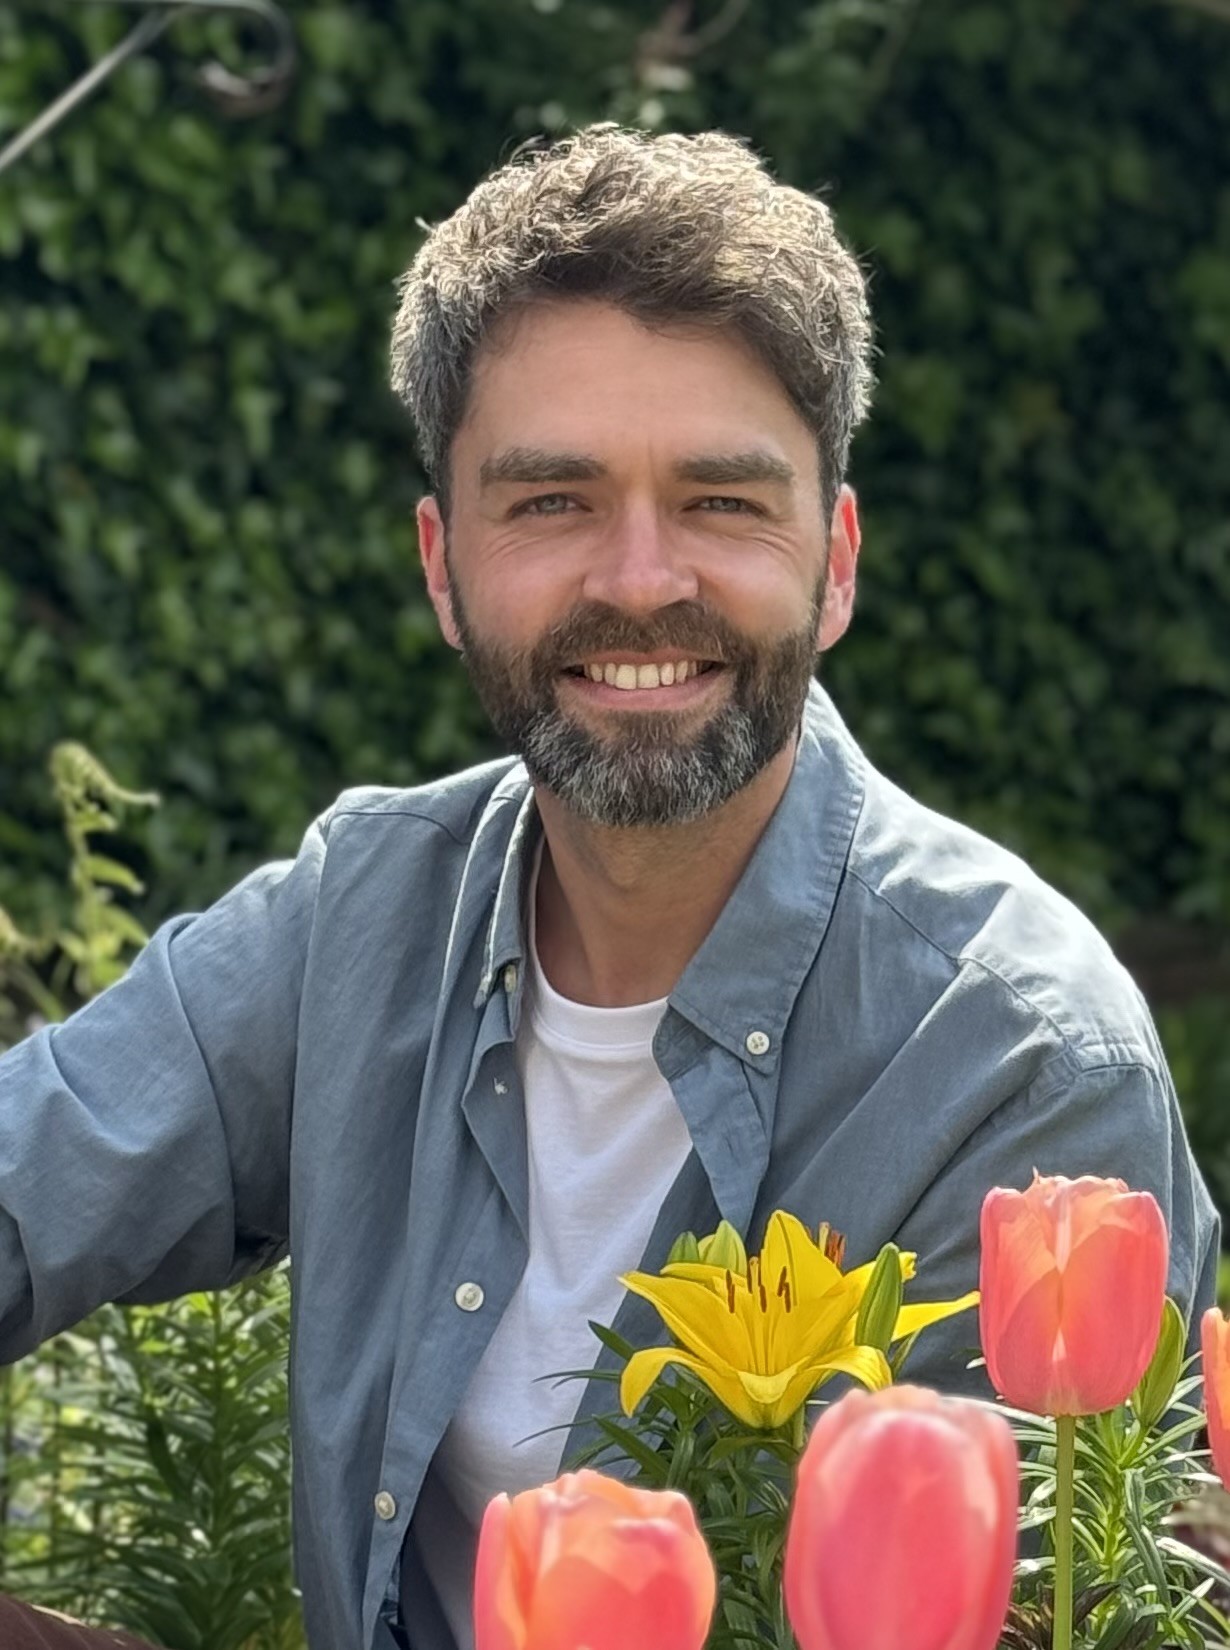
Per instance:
(454,803)
(957,892)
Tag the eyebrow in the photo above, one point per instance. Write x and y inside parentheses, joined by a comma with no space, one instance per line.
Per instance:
(539,464)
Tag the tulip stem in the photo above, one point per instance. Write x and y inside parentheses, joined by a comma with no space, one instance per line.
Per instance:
(1065,1465)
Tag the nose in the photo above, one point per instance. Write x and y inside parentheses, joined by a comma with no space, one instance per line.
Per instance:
(638,568)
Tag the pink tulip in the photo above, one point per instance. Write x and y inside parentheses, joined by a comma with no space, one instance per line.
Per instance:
(903,1529)
(1073,1283)
(1215,1348)
(591,1561)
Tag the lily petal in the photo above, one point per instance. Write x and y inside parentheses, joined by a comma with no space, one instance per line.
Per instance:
(696,1316)
(910,1319)
(643,1368)
(861,1275)
(788,1244)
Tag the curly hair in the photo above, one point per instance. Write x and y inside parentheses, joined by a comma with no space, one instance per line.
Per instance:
(671,229)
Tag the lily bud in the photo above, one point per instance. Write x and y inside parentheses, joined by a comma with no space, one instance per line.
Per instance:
(881,1305)
(684,1250)
(1152,1397)
(725,1248)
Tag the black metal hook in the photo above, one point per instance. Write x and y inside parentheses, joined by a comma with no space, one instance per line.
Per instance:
(235,94)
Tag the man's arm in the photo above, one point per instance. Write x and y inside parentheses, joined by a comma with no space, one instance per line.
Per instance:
(1114,1120)
(144,1143)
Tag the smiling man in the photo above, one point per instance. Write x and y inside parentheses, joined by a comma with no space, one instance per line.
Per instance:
(684,955)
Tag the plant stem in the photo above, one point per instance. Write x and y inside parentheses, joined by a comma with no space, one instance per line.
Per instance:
(1065,1462)
(800,1428)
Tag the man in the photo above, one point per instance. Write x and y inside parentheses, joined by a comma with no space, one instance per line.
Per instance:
(486,1044)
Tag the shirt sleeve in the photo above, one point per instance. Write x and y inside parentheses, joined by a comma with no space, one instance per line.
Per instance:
(145,1142)
(1117,1120)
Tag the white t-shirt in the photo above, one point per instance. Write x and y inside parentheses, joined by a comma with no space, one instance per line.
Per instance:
(606,1141)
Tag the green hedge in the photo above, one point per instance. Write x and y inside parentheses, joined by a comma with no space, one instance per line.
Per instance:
(207,565)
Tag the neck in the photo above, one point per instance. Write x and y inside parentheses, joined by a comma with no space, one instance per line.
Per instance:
(621,911)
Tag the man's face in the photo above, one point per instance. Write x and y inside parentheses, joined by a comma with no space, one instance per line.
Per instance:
(635,566)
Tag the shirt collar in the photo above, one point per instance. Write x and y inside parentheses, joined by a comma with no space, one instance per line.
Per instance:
(504,953)
(740,987)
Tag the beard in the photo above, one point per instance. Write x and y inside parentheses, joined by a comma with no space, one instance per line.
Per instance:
(652,768)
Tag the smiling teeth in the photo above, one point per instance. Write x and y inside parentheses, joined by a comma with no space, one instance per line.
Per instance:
(642,676)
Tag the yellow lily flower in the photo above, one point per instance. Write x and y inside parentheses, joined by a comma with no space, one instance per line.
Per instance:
(763,1340)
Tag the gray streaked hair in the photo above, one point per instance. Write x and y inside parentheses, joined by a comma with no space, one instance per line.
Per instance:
(672,229)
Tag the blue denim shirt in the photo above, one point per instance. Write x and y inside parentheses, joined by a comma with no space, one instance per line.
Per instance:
(890,1016)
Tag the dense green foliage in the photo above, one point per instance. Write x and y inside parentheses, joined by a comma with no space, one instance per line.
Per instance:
(208,557)
(145,1455)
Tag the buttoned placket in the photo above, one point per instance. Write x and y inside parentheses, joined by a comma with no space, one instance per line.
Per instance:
(478,1290)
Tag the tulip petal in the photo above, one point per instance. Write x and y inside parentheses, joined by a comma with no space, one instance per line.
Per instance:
(903,1528)
(1114,1290)
(1072,1280)
(1215,1355)
(631,1594)
(589,1560)
(499,1608)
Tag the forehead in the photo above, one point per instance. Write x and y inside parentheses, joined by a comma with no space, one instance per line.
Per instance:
(551,369)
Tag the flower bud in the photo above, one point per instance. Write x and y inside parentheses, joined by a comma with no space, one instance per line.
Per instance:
(589,1560)
(1072,1283)
(685,1249)
(725,1248)
(881,1303)
(1152,1397)
(902,1533)
(1215,1345)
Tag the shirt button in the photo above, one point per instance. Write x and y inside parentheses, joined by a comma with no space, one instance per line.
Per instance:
(510,977)
(469,1296)
(757,1043)
(386,1507)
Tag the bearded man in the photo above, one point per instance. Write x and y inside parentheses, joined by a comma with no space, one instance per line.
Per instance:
(489,1043)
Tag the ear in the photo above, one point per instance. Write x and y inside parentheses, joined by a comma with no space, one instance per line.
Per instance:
(845,536)
(435,568)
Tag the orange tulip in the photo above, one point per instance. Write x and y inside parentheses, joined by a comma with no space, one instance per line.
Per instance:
(1215,1348)
(903,1528)
(591,1561)
(1072,1283)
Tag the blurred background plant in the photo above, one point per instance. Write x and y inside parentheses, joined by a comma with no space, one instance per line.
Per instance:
(207,566)
(145,1456)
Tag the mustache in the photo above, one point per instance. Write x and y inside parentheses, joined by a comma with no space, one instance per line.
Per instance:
(595,627)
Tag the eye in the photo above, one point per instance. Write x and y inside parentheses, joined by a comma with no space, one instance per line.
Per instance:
(531,506)
(741,504)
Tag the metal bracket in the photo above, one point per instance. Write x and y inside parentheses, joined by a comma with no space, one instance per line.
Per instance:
(235,94)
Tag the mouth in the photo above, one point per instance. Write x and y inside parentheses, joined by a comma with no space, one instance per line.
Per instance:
(626,676)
